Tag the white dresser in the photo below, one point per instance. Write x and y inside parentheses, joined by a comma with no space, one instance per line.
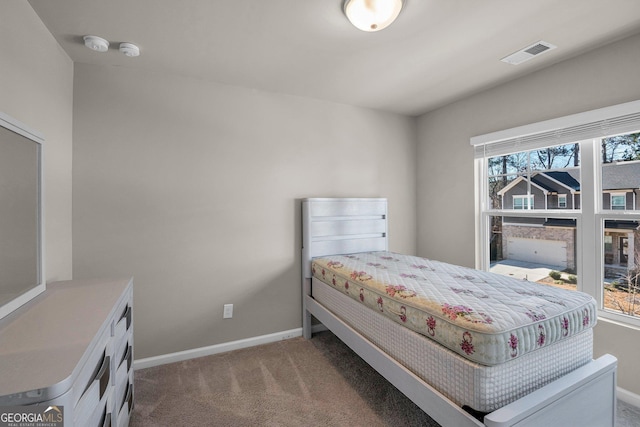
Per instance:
(72,346)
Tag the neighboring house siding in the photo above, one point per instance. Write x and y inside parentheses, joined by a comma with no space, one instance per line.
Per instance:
(552,199)
(631,199)
(613,267)
(520,189)
(561,183)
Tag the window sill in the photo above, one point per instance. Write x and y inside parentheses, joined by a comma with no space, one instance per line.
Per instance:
(619,320)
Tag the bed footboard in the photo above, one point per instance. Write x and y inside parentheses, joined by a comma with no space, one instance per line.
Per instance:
(585,397)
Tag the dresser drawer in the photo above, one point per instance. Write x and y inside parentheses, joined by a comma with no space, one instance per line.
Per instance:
(96,417)
(95,396)
(126,405)
(92,366)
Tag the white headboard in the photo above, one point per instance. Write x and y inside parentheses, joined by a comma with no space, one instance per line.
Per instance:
(342,226)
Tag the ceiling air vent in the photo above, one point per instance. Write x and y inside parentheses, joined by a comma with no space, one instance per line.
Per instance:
(528,52)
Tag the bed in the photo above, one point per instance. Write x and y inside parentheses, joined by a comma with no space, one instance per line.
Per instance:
(461,362)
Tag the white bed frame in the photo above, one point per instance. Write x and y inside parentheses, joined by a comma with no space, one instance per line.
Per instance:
(584,397)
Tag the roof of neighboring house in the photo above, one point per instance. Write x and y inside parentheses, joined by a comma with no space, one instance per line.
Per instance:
(610,224)
(541,183)
(559,222)
(564,178)
(621,225)
(519,179)
(615,176)
(621,176)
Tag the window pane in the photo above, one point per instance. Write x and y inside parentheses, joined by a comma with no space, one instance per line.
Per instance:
(535,179)
(621,148)
(523,202)
(558,157)
(621,270)
(496,185)
(510,164)
(534,248)
(620,172)
(562,201)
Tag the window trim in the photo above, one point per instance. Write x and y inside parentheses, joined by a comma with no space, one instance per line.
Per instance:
(587,130)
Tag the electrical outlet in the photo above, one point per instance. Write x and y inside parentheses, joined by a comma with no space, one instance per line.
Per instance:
(228,311)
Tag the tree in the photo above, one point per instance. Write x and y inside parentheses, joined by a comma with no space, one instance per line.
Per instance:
(556,157)
(624,296)
(621,148)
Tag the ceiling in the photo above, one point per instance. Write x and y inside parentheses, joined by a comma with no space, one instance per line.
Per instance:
(436,52)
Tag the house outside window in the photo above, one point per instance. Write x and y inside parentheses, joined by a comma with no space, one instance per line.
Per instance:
(538,207)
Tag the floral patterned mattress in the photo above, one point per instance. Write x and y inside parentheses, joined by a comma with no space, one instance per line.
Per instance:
(485,317)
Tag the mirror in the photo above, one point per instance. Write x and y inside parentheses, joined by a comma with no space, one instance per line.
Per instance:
(21,243)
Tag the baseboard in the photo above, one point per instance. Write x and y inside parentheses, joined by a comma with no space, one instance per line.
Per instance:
(628,397)
(219,348)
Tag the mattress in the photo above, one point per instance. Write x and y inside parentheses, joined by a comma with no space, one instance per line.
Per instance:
(482,388)
(484,317)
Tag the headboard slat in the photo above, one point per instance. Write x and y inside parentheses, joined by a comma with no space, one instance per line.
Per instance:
(324,228)
(347,207)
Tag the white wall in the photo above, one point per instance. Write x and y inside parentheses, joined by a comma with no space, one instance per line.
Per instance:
(36,88)
(193,188)
(603,77)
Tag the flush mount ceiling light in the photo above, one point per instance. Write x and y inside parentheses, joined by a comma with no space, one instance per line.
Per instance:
(96,43)
(129,49)
(372,15)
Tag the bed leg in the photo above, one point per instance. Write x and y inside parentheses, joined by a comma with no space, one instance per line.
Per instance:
(306,324)
(306,316)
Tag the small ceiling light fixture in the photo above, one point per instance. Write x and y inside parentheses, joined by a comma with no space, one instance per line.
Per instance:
(96,43)
(129,49)
(372,15)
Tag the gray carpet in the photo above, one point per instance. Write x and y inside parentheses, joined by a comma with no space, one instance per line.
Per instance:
(296,382)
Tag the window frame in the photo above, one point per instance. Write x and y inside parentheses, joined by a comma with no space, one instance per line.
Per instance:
(622,207)
(564,199)
(523,197)
(590,216)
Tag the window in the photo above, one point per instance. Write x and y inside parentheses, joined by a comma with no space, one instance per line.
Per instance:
(562,201)
(620,170)
(537,205)
(527,184)
(608,245)
(618,201)
(523,202)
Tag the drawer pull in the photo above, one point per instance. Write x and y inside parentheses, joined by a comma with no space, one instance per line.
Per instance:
(97,372)
(127,356)
(103,375)
(105,420)
(128,398)
(126,314)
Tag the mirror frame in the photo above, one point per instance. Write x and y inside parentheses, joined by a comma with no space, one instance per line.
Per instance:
(19,128)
